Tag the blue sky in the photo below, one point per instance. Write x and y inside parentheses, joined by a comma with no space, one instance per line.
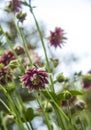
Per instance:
(74,16)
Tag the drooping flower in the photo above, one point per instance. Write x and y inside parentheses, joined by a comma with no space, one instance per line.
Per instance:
(5,75)
(35,79)
(57,37)
(7,57)
(21,16)
(71,102)
(36,60)
(19,50)
(15,6)
(87,80)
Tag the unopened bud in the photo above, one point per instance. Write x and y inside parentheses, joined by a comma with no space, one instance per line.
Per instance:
(67,95)
(21,16)
(19,50)
(14,64)
(60,78)
(1,65)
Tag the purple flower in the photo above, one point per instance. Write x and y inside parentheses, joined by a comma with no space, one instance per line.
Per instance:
(57,37)
(35,79)
(7,57)
(15,5)
(87,80)
(5,75)
(71,101)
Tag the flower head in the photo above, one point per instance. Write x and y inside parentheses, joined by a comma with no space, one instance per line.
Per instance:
(21,16)
(7,57)
(19,50)
(87,80)
(35,79)
(5,75)
(56,38)
(15,5)
(71,101)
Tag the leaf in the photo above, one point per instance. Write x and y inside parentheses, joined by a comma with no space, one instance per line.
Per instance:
(57,97)
(29,114)
(76,92)
(60,96)
(47,94)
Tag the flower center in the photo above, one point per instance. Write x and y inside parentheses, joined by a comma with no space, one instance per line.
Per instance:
(35,80)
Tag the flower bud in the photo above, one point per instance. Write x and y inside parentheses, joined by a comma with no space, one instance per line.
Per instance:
(1,65)
(67,95)
(55,62)
(9,36)
(87,81)
(19,50)
(1,31)
(13,64)
(60,78)
(47,106)
(21,16)
(80,106)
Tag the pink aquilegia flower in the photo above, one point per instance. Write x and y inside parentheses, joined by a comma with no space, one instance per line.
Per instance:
(87,80)
(15,6)
(35,79)
(5,75)
(57,37)
(71,102)
(7,57)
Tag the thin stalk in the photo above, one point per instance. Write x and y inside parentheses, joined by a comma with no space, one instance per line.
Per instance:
(24,43)
(82,126)
(31,125)
(59,108)
(20,107)
(44,113)
(4,126)
(60,122)
(12,107)
(5,106)
(23,39)
(11,47)
(44,48)
(69,114)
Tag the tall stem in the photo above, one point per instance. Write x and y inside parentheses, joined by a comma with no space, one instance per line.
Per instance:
(69,114)
(24,43)
(10,45)
(44,113)
(44,48)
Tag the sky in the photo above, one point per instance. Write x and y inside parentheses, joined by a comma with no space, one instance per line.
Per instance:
(74,17)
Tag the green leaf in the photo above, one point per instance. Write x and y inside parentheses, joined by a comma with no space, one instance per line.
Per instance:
(76,92)
(29,114)
(60,96)
(45,93)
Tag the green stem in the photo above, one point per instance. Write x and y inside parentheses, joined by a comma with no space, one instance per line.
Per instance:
(44,48)
(59,108)
(13,107)
(24,43)
(69,114)
(44,113)
(11,47)
(23,40)
(20,107)
(5,105)
(60,121)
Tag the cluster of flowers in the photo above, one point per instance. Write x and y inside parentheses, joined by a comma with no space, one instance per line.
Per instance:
(33,78)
